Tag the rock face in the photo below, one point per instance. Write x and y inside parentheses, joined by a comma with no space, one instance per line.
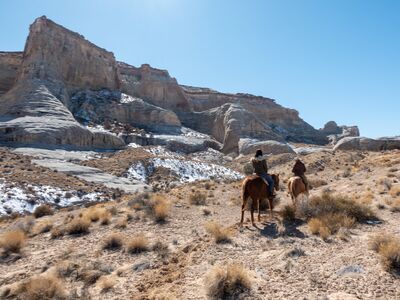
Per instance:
(249,146)
(367,144)
(335,133)
(62,81)
(9,66)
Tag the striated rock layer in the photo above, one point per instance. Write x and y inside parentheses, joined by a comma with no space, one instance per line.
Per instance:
(62,81)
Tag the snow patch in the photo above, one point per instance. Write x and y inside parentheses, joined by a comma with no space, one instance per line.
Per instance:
(186,170)
(16,199)
(128,99)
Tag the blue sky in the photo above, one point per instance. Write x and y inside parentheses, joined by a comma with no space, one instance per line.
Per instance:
(330,60)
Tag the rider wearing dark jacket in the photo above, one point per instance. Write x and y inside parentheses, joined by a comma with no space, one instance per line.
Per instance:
(261,169)
(298,170)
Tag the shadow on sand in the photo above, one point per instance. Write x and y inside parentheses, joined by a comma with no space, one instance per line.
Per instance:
(273,229)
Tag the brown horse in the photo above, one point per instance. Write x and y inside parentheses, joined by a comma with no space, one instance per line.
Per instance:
(254,187)
(296,187)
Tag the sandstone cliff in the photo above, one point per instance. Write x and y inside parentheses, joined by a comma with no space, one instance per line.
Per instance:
(61,78)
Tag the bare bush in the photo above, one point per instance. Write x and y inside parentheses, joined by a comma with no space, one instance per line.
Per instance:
(220,234)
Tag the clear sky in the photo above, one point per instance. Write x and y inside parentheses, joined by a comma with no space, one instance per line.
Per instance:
(330,60)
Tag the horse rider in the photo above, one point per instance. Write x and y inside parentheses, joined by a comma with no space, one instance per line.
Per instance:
(261,169)
(298,170)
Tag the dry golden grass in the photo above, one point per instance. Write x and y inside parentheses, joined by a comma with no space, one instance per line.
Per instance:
(227,283)
(220,234)
(57,232)
(94,213)
(197,198)
(106,283)
(12,241)
(43,227)
(160,208)
(395,191)
(43,210)
(78,226)
(105,218)
(121,223)
(388,246)
(137,245)
(113,242)
(42,287)
(329,224)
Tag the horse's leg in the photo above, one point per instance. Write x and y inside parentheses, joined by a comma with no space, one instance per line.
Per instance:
(270,207)
(252,214)
(258,207)
(243,209)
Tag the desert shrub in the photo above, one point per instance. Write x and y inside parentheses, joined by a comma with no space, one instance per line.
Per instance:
(198,198)
(328,203)
(105,218)
(44,287)
(95,213)
(43,210)
(12,241)
(248,169)
(106,283)
(137,245)
(395,191)
(26,224)
(220,234)
(121,223)
(388,246)
(395,206)
(90,277)
(327,213)
(43,227)
(113,242)
(229,282)
(206,212)
(78,226)
(288,213)
(139,201)
(317,182)
(160,208)
(57,232)
(329,224)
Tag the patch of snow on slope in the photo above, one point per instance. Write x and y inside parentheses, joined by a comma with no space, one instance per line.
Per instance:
(99,128)
(186,170)
(161,151)
(128,99)
(15,199)
(134,145)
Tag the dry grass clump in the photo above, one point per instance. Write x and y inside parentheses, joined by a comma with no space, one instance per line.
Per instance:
(12,241)
(78,226)
(43,210)
(226,283)
(328,213)
(106,283)
(317,182)
(113,242)
(121,223)
(105,218)
(159,208)
(198,198)
(57,232)
(139,201)
(94,213)
(329,224)
(161,249)
(395,191)
(288,213)
(220,234)
(43,227)
(388,246)
(46,286)
(137,245)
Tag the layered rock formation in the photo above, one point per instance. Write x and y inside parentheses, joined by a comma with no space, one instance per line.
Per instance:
(368,144)
(335,133)
(62,81)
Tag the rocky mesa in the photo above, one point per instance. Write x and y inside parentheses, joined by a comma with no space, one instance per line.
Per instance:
(62,86)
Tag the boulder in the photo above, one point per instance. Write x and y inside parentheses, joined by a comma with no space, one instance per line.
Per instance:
(368,144)
(249,146)
(331,127)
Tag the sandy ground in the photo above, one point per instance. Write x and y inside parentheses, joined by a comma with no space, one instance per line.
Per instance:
(333,269)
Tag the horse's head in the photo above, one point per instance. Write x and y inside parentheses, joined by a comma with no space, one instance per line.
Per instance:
(275,178)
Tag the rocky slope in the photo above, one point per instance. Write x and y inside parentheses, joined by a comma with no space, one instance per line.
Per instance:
(51,85)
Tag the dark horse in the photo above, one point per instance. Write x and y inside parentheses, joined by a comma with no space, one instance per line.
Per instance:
(254,187)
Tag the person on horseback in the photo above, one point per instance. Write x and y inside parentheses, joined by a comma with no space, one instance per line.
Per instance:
(298,170)
(261,169)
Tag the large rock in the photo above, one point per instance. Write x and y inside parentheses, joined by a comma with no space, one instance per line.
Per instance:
(283,122)
(335,133)
(99,106)
(9,67)
(250,146)
(154,86)
(367,144)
